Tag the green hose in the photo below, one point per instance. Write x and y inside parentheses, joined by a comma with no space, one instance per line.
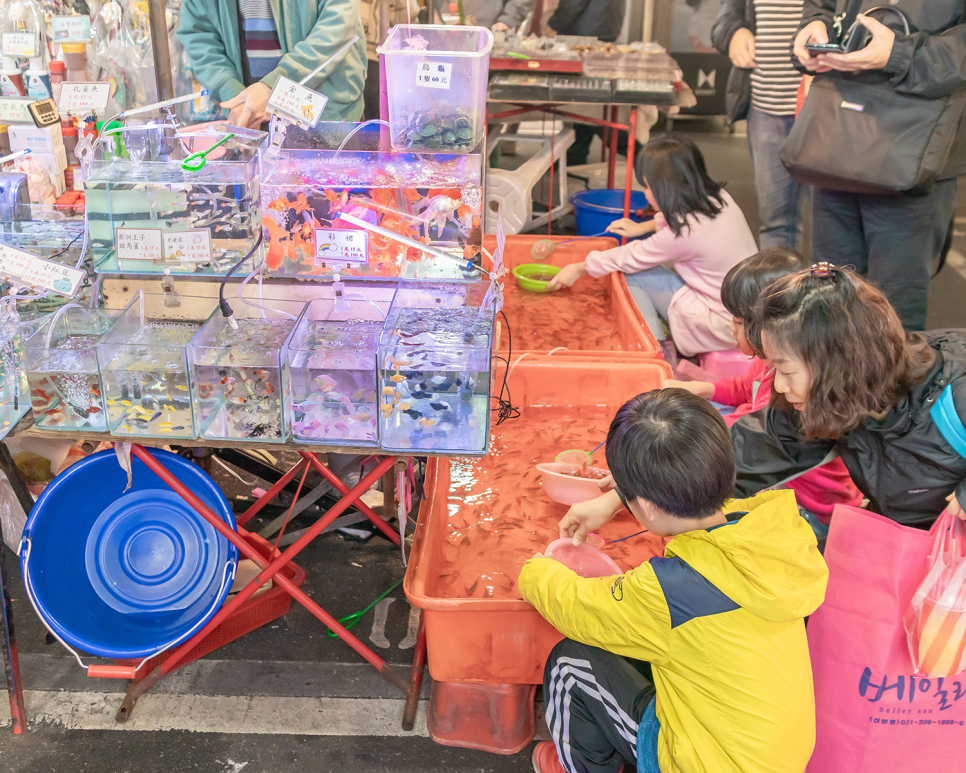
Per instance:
(350,620)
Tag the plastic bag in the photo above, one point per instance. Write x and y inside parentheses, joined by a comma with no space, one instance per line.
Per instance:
(935,620)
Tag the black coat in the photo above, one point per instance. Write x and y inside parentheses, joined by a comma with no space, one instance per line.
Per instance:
(903,464)
(733,15)
(601,19)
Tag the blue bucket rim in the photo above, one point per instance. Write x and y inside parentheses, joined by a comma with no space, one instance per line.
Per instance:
(577,198)
(67,637)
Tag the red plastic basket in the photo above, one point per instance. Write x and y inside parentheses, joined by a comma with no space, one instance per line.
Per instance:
(254,613)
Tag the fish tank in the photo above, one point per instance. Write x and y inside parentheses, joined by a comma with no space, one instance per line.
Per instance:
(61,364)
(317,175)
(147,213)
(237,374)
(331,357)
(434,368)
(145,376)
(14,402)
(436,83)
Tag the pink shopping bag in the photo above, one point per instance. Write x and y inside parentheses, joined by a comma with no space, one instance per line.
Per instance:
(874,712)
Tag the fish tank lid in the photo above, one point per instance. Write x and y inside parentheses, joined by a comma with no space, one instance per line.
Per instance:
(162,142)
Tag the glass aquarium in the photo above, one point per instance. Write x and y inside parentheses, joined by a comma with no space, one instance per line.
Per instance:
(238,379)
(331,357)
(144,372)
(434,368)
(146,212)
(14,402)
(61,365)
(317,175)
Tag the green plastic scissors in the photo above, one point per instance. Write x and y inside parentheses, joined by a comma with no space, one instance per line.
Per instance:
(196,161)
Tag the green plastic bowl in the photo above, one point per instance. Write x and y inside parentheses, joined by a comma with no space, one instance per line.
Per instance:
(525,271)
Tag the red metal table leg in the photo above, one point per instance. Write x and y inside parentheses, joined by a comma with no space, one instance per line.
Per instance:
(604,138)
(269,495)
(8,638)
(612,160)
(269,572)
(415,677)
(339,486)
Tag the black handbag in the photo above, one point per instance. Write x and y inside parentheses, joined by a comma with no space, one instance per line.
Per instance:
(856,133)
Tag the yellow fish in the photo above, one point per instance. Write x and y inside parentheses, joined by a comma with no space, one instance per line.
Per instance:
(405,406)
(181,387)
(387,390)
(128,403)
(165,424)
(397,378)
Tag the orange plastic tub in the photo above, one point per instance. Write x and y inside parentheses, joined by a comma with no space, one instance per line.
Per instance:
(482,518)
(593,315)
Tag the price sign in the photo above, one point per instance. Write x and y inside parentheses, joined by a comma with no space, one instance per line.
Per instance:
(302,105)
(21,45)
(84,98)
(139,244)
(434,75)
(15,110)
(336,249)
(71,29)
(192,246)
(34,271)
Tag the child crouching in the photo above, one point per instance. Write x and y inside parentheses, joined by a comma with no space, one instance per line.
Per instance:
(696,661)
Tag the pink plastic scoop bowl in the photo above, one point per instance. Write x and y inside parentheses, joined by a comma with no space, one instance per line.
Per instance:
(586,559)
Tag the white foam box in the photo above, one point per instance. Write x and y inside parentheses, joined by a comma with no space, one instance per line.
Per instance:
(56,160)
(46,140)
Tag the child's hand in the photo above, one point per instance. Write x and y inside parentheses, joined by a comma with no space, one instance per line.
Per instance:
(703,389)
(567,276)
(538,555)
(585,517)
(955,508)
(631,229)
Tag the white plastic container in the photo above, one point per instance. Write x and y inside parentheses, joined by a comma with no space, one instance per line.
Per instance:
(436,82)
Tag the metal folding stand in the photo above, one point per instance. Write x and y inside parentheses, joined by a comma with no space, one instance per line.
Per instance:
(8,640)
(270,571)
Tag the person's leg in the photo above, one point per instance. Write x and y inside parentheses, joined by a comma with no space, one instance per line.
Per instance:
(594,701)
(779,195)
(837,232)
(370,92)
(905,235)
(583,137)
(652,291)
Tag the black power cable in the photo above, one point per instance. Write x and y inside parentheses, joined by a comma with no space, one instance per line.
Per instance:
(222,303)
(506,410)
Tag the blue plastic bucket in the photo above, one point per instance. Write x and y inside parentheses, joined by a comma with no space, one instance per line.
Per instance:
(595,210)
(126,575)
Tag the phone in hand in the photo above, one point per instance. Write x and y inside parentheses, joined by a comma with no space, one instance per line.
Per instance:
(823,48)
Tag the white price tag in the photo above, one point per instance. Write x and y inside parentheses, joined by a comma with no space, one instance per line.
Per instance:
(81,99)
(335,248)
(22,45)
(434,75)
(34,271)
(192,246)
(302,105)
(500,245)
(138,244)
(71,29)
(14,110)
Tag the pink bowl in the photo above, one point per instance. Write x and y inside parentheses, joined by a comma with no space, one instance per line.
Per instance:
(566,489)
(585,559)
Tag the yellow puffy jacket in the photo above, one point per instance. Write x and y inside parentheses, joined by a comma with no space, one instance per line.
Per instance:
(720,620)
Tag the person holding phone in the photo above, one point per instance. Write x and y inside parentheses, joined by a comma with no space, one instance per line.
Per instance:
(893,240)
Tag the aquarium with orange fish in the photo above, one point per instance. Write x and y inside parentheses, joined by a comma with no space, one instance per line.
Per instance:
(237,378)
(14,402)
(137,183)
(143,361)
(434,368)
(61,364)
(331,359)
(428,198)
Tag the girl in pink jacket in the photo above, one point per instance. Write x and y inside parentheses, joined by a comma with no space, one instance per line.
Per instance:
(819,490)
(699,229)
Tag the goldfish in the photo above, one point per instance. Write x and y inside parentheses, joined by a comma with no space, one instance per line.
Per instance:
(300,204)
(275,254)
(281,203)
(397,378)
(412,194)
(387,390)
(451,193)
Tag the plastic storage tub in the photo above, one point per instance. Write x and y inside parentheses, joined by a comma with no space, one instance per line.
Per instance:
(436,78)
(331,361)
(237,376)
(61,364)
(594,315)
(486,633)
(434,368)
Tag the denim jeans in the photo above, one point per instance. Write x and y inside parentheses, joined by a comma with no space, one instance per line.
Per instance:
(652,290)
(779,196)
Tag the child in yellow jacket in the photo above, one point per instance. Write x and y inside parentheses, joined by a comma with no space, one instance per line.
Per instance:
(696,662)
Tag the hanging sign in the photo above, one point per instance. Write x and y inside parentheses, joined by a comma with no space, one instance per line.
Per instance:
(34,271)
(434,75)
(84,98)
(71,29)
(192,246)
(15,110)
(336,249)
(296,102)
(139,244)
(20,45)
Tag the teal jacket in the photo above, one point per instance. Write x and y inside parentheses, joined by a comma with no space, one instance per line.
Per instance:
(310,31)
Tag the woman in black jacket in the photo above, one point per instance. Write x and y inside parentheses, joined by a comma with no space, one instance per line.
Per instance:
(850,382)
